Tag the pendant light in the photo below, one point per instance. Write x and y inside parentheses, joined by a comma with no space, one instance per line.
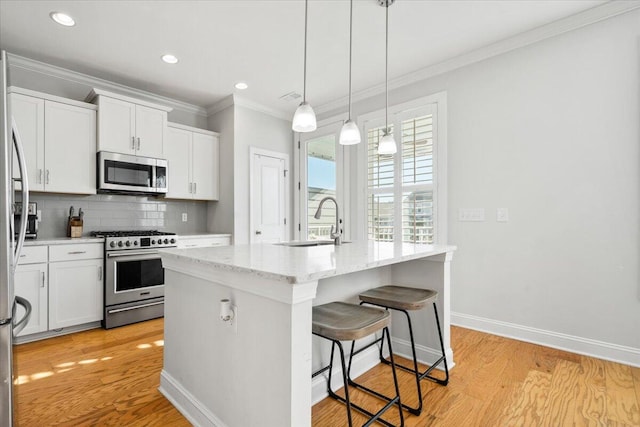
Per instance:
(350,134)
(387,144)
(304,120)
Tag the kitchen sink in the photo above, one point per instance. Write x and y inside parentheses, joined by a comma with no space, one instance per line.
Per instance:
(307,243)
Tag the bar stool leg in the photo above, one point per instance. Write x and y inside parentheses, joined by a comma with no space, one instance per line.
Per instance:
(444,356)
(345,380)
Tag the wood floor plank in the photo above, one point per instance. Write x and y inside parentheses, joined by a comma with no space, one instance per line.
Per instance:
(560,406)
(622,403)
(590,397)
(527,408)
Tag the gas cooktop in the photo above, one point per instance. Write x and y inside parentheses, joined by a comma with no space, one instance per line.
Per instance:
(130,233)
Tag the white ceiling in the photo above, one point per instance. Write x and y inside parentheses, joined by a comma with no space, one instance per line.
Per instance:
(261,42)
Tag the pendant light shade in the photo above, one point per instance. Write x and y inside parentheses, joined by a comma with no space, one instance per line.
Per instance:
(350,134)
(387,144)
(304,119)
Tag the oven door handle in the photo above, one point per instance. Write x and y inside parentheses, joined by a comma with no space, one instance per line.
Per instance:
(121,254)
(135,307)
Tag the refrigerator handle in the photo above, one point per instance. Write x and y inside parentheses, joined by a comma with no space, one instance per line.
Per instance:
(19,325)
(17,142)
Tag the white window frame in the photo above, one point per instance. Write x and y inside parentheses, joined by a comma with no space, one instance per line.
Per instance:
(436,103)
(330,126)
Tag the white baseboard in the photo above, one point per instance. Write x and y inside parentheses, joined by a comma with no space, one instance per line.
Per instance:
(586,346)
(192,409)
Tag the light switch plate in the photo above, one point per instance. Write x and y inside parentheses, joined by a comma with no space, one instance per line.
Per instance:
(502,214)
(184,217)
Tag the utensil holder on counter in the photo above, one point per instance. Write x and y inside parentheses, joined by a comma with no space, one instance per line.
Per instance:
(75,224)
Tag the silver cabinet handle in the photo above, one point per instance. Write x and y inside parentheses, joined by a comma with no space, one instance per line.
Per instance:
(133,142)
(42,285)
(138,143)
(99,273)
(47,178)
(76,252)
(195,188)
(258,232)
(39,176)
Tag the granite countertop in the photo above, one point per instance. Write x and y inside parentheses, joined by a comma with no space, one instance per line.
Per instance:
(63,241)
(303,264)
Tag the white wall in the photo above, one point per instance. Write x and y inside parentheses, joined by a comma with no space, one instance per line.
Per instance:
(551,132)
(241,128)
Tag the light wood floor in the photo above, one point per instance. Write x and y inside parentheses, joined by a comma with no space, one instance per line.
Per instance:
(110,378)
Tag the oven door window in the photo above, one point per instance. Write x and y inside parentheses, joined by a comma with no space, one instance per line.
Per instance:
(131,275)
(131,174)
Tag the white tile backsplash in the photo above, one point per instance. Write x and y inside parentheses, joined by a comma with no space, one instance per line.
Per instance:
(118,212)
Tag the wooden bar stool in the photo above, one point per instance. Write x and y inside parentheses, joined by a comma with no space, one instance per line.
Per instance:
(403,299)
(339,321)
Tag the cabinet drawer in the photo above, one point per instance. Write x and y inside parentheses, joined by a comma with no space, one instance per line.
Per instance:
(75,252)
(33,255)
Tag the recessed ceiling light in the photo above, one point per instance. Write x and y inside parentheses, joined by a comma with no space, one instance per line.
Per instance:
(62,19)
(170,59)
(241,85)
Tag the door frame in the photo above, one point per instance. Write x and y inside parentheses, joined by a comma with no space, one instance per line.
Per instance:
(253,151)
(343,176)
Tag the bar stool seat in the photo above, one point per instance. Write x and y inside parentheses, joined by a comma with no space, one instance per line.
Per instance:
(405,299)
(339,321)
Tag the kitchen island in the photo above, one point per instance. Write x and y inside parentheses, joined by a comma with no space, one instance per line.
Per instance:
(256,369)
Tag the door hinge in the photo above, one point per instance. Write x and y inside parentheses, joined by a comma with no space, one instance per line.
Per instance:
(285,221)
(298,144)
(299,228)
(285,173)
(298,185)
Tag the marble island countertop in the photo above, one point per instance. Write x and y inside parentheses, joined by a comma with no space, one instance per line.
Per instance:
(303,264)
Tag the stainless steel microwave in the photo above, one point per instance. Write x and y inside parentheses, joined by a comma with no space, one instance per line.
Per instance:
(123,173)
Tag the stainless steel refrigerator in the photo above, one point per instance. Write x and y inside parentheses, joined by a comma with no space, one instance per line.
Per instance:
(10,246)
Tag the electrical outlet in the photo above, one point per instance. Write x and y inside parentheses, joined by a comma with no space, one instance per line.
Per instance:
(502,214)
(184,217)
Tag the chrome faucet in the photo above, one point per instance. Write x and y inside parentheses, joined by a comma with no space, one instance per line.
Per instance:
(336,235)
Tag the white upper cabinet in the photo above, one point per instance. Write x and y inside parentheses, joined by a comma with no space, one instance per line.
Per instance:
(130,126)
(59,141)
(70,148)
(193,156)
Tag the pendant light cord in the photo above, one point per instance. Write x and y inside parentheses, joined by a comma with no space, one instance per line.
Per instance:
(304,84)
(350,51)
(386,70)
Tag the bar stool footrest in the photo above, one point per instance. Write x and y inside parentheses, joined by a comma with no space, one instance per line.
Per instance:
(391,401)
(373,417)
(425,374)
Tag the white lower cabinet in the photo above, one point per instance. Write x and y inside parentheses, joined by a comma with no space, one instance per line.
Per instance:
(31,284)
(75,285)
(63,283)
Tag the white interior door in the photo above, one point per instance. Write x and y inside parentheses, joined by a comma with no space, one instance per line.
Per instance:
(269,197)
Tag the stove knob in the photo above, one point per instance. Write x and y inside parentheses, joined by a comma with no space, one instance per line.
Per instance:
(173,240)
(113,244)
(128,243)
(135,243)
(120,243)
(153,242)
(166,241)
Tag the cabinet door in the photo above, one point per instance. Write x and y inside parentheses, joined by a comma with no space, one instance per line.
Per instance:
(75,292)
(29,115)
(70,149)
(116,125)
(178,154)
(150,130)
(31,284)
(205,168)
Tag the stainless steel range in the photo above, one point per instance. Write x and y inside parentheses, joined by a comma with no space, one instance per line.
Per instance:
(134,277)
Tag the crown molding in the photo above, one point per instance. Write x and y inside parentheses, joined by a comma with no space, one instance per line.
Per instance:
(76,77)
(242,102)
(561,26)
